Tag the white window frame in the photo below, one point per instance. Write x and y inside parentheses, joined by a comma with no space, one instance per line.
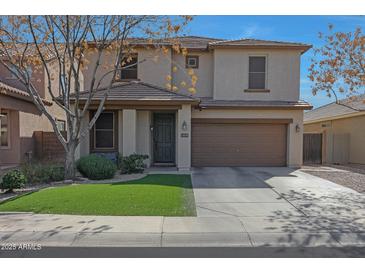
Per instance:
(8,129)
(94,141)
(266,70)
(62,121)
(193,57)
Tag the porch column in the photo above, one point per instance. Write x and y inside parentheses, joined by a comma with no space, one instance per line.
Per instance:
(295,143)
(120,132)
(129,131)
(144,134)
(184,138)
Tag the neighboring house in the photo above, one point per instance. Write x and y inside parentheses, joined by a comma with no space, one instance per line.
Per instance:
(335,133)
(20,120)
(246,111)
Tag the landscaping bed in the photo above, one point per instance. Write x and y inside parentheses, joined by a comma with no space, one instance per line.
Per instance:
(153,195)
(351,176)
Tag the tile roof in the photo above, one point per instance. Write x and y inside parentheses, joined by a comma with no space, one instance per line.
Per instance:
(205,43)
(191,42)
(196,42)
(209,102)
(6,89)
(258,43)
(330,111)
(139,91)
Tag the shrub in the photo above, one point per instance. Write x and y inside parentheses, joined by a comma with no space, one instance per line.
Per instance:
(96,167)
(43,173)
(13,179)
(133,163)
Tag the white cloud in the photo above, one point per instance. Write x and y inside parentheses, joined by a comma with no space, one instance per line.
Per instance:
(250,31)
(254,31)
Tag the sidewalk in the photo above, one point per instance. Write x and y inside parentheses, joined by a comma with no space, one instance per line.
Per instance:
(84,231)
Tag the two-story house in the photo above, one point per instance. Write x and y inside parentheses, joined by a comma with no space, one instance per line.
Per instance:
(245,112)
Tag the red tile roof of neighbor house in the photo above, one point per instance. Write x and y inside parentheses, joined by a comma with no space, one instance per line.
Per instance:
(6,89)
(139,91)
(346,107)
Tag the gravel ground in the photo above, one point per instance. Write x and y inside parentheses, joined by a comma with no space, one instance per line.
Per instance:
(351,175)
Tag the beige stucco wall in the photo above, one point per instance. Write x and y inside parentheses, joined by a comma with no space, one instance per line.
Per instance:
(231,74)
(144,141)
(129,131)
(353,127)
(222,73)
(204,85)
(153,67)
(295,139)
(30,122)
(184,143)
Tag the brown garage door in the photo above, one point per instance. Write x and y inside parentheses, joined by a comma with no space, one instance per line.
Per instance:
(235,143)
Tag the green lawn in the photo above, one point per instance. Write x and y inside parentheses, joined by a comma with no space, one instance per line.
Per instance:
(153,195)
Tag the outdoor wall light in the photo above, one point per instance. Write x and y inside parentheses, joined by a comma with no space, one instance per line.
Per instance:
(297,128)
(184,126)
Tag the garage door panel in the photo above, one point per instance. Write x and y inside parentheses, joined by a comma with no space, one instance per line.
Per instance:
(232,150)
(238,144)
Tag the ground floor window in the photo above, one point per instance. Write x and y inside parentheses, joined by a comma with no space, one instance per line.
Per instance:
(4,129)
(104,131)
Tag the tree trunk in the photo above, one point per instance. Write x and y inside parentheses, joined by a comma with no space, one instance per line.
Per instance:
(70,166)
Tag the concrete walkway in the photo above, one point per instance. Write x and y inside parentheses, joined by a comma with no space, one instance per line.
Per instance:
(236,207)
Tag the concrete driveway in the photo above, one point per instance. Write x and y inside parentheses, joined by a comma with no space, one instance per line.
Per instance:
(281,206)
(235,207)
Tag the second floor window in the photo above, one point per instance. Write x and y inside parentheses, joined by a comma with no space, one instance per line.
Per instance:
(129,68)
(257,72)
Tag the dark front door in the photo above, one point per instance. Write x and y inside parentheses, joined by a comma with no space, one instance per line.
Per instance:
(164,137)
(312,148)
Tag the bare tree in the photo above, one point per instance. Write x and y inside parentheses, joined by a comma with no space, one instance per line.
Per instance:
(45,42)
(338,67)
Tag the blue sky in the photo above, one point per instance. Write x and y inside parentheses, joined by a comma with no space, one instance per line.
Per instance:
(288,28)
